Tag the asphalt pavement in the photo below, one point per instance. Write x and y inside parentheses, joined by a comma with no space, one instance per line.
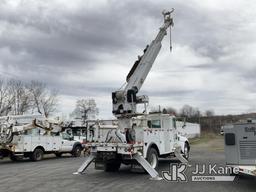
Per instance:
(56,174)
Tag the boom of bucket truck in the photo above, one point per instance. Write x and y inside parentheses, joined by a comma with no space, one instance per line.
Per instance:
(139,138)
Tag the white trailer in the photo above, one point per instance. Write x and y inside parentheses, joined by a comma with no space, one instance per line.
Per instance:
(139,138)
(189,130)
(240,147)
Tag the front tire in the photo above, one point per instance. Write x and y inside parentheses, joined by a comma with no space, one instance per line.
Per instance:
(186,151)
(152,158)
(77,151)
(37,155)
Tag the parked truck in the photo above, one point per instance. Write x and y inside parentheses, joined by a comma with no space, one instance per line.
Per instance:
(139,138)
(240,146)
(35,139)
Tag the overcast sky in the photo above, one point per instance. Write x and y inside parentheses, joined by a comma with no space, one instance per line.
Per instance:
(85,48)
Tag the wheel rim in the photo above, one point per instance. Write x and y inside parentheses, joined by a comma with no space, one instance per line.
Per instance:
(153,161)
(186,151)
(38,155)
(78,151)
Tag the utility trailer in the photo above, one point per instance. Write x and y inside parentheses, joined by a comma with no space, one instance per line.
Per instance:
(240,147)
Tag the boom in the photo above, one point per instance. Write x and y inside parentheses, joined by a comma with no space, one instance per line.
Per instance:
(125,101)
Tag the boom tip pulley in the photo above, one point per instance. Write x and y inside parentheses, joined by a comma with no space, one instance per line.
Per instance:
(168,18)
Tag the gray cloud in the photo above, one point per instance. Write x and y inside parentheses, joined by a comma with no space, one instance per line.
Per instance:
(67,45)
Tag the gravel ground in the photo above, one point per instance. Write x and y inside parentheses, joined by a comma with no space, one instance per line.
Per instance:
(55,174)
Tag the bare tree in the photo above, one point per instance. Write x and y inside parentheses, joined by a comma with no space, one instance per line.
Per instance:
(18,98)
(209,113)
(21,95)
(170,110)
(189,111)
(43,100)
(3,95)
(6,99)
(85,109)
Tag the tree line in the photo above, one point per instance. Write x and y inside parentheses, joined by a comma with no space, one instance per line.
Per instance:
(207,119)
(187,111)
(18,98)
(34,97)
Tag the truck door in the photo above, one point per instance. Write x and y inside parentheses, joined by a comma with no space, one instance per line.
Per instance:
(25,143)
(173,132)
(48,141)
(165,135)
(67,142)
(153,135)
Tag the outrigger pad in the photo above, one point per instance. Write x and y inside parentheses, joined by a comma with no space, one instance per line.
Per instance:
(86,164)
(144,163)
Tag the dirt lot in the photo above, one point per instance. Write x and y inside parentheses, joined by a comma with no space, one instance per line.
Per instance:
(55,174)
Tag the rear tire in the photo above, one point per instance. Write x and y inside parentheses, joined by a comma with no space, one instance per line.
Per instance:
(152,158)
(37,155)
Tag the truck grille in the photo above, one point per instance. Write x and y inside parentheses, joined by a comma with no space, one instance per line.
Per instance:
(248,150)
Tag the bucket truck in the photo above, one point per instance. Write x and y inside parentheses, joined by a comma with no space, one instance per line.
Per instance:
(139,138)
(33,140)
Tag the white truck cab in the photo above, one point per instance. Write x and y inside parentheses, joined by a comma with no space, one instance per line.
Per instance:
(162,133)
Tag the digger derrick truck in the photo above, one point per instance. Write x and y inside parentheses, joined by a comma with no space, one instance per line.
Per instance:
(140,139)
(33,140)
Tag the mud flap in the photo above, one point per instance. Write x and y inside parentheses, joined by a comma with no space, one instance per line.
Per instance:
(179,156)
(86,164)
(144,163)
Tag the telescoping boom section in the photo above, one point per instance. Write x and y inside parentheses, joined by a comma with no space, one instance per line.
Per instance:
(125,100)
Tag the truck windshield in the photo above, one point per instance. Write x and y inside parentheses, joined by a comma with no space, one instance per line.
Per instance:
(154,124)
(66,136)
